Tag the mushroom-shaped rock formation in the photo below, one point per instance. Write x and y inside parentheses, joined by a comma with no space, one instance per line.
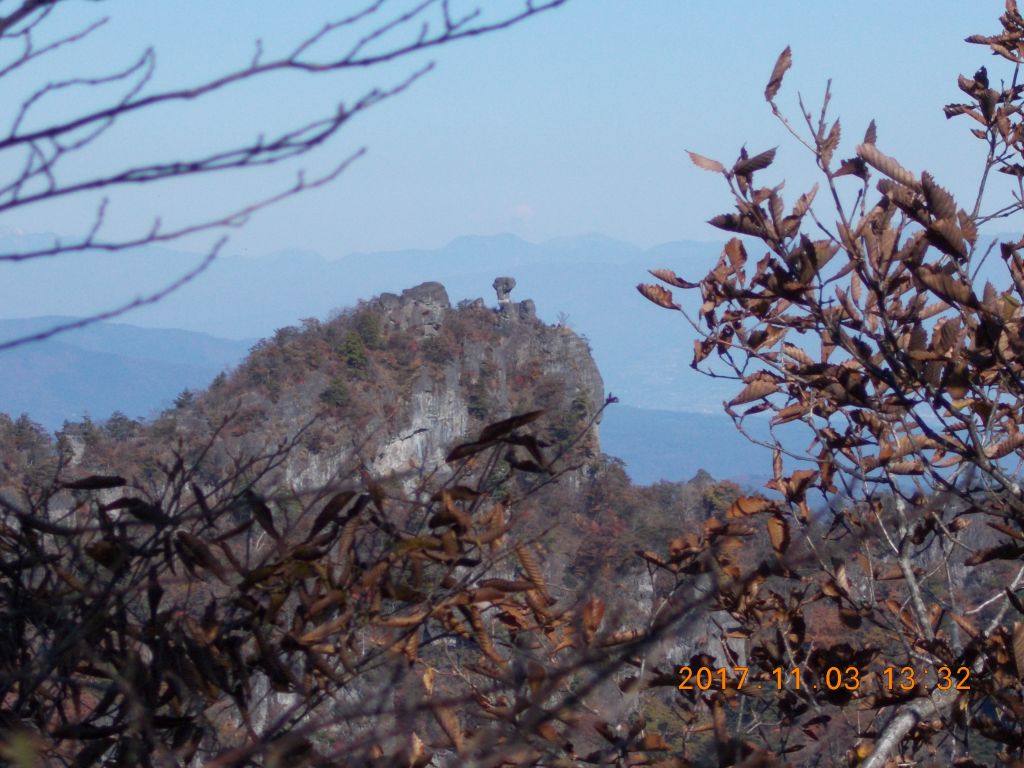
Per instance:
(503,287)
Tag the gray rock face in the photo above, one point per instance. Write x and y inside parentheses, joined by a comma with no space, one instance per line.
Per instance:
(507,362)
(420,308)
(428,294)
(526,356)
(503,287)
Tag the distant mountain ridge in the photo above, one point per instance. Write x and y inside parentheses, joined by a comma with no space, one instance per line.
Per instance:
(166,345)
(105,367)
(642,351)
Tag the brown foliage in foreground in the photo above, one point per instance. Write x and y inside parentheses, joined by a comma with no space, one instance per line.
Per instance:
(867,322)
(188,607)
(222,625)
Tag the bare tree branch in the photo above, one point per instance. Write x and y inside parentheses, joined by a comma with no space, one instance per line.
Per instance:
(377,33)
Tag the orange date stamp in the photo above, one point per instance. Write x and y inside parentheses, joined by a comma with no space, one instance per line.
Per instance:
(834,678)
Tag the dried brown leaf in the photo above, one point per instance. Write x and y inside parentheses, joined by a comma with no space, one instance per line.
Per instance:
(730,222)
(871,134)
(530,566)
(966,624)
(192,548)
(660,296)
(261,512)
(748,165)
(947,237)
(945,335)
(887,165)
(852,166)
(503,427)
(760,386)
(736,254)
(334,506)
(745,506)
(945,286)
(449,722)
(803,203)
(1005,447)
(784,62)
(789,413)
(1002,552)
(95,483)
(670,277)
(706,163)
(793,351)
(778,533)
(968,227)
(940,202)
(828,147)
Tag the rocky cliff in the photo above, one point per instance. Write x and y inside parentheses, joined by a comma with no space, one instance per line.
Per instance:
(393,384)
(372,401)
(389,386)
(481,364)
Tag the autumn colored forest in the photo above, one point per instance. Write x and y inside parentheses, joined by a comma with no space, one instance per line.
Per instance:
(390,537)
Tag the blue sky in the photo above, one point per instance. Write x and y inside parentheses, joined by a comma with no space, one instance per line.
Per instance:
(574,122)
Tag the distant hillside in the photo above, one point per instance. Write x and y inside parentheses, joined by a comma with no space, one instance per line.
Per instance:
(642,352)
(104,368)
(668,445)
(328,451)
(389,386)
(164,345)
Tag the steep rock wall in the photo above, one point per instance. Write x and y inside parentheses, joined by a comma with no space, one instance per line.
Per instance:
(432,375)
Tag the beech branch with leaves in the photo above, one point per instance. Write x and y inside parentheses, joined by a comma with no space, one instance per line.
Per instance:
(862,321)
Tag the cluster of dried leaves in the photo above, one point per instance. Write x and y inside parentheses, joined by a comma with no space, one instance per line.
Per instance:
(228,622)
(870,328)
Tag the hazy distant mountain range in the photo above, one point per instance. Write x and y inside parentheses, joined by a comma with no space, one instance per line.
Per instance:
(104,368)
(673,445)
(643,352)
